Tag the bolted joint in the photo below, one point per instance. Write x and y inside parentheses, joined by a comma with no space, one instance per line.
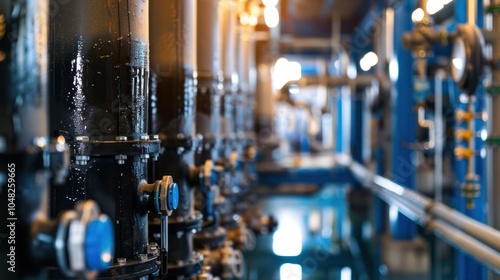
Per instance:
(144,158)
(81,160)
(120,159)
(81,138)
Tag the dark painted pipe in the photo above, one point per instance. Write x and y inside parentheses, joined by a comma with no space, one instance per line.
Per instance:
(173,105)
(23,118)
(99,91)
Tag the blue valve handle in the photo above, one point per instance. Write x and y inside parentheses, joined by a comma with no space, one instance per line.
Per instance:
(173,197)
(99,243)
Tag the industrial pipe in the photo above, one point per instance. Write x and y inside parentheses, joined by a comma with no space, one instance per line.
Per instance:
(228,32)
(456,229)
(494,121)
(173,105)
(99,103)
(208,98)
(438,210)
(31,241)
(458,239)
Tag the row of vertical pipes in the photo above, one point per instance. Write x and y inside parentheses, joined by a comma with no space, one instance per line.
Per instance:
(195,98)
(136,92)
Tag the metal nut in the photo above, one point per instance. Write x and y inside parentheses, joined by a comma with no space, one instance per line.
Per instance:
(122,261)
(81,160)
(81,138)
(144,158)
(120,159)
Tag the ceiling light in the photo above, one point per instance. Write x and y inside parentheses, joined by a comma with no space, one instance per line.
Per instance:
(270,3)
(271,17)
(417,15)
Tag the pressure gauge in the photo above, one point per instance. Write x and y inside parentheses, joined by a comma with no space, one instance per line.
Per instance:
(459,60)
(467,61)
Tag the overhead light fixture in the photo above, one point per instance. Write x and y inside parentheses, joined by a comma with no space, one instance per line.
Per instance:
(434,6)
(417,15)
(290,271)
(369,60)
(244,19)
(285,71)
(271,17)
(270,3)
(253,20)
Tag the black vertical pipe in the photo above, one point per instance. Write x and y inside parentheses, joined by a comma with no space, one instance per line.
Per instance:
(23,68)
(208,99)
(228,33)
(99,89)
(173,105)
(174,88)
(23,135)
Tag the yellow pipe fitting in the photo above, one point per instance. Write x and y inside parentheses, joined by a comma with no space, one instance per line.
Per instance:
(463,153)
(470,204)
(464,116)
(464,134)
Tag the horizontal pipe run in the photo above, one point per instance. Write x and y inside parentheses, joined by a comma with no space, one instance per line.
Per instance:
(461,241)
(413,213)
(480,231)
(454,228)
(454,237)
(486,234)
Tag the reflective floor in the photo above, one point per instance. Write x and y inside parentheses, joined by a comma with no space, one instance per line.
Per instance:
(318,237)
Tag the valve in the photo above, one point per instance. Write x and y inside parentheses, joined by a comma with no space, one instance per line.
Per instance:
(232,261)
(160,197)
(225,262)
(84,241)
